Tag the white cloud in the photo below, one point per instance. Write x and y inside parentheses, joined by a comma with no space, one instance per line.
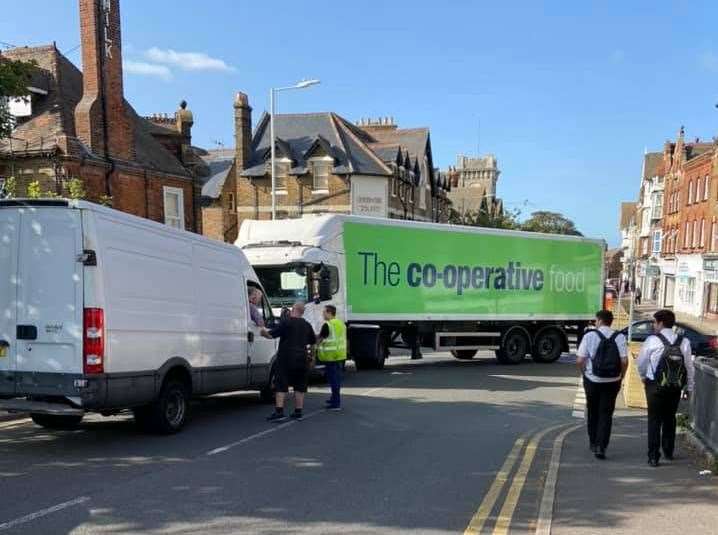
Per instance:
(709,61)
(147,69)
(187,61)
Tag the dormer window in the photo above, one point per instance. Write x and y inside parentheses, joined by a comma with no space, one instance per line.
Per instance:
(320,175)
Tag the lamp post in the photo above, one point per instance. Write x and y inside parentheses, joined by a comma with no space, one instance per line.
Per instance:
(300,85)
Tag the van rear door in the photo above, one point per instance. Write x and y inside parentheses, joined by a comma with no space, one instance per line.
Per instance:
(49,295)
(9,232)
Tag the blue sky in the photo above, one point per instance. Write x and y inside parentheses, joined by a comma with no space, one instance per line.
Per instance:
(567,94)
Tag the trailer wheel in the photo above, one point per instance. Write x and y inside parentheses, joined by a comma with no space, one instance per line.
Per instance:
(56,421)
(547,347)
(168,414)
(464,354)
(514,348)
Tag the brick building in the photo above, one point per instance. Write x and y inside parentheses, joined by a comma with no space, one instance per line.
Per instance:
(473,186)
(324,164)
(79,125)
(690,228)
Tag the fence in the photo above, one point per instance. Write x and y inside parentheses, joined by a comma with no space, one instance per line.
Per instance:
(705,401)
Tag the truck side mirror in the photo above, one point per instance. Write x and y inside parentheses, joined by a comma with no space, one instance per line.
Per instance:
(325,285)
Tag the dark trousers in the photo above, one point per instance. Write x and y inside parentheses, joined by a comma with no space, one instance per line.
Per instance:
(662,407)
(600,404)
(333,371)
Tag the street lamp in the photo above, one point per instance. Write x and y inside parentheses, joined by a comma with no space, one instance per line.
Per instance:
(300,85)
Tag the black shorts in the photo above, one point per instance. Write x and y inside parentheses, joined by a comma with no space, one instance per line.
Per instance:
(297,378)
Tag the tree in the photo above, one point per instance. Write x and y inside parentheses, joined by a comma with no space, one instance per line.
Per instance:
(14,78)
(483,218)
(550,223)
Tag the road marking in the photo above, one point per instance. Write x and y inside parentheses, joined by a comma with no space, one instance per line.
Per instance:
(276,428)
(545,517)
(261,434)
(512,497)
(579,402)
(487,504)
(14,423)
(43,512)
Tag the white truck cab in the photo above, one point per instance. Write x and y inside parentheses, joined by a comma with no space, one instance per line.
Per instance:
(103,311)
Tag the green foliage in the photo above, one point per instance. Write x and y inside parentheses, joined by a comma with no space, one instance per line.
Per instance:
(14,78)
(9,188)
(105,200)
(482,218)
(49,194)
(76,189)
(550,223)
(33,190)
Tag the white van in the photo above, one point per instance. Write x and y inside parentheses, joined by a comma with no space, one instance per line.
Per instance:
(102,311)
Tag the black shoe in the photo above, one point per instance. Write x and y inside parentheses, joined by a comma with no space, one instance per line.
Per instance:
(276,417)
(297,415)
(668,456)
(600,453)
(653,462)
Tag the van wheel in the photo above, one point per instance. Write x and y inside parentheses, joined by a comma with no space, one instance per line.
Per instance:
(56,421)
(547,347)
(514,348)
(266,393)
(168,414)
(464,354)
(372,351)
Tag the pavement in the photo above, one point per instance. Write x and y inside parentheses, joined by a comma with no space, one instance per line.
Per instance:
(433,446)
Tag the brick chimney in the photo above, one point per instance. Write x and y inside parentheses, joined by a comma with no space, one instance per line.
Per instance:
(184,121)
(101,120)
(242,131)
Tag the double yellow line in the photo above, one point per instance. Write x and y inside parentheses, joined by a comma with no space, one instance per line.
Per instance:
(506,513)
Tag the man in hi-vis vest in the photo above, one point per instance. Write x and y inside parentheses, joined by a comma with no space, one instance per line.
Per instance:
(332,352)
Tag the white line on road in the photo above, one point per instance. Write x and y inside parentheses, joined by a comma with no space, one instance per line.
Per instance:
(12,424)
(545,517)
(43,512)
(271,430)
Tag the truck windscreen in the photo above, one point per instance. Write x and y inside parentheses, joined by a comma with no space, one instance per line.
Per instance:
(284,284)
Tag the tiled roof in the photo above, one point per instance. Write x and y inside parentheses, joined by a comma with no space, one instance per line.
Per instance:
(53,120)
(628,214)
(652,165)
(297,134)
(219,164)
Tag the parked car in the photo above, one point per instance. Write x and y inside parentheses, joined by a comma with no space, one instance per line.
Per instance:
(703,342)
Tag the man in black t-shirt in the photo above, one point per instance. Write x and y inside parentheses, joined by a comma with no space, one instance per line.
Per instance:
(294,357)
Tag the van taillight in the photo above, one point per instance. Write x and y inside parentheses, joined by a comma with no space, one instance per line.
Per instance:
(93,341)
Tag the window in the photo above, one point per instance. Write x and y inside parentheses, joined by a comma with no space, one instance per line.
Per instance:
(690,193)
(703,233)
(320,172)
(394,187)
(174,207)
(694,241)
(699,192)
(714,236)
(231,202)
(691,290)
(281,171)
(686,237)
(706,187)
(657,241)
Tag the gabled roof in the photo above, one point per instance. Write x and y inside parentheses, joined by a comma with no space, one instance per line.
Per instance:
(628,214)
(302,131)
(219,164)
(52,125)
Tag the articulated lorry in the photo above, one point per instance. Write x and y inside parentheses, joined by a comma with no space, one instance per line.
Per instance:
(413,284)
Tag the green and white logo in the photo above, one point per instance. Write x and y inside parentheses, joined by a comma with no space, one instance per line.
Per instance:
(400,270)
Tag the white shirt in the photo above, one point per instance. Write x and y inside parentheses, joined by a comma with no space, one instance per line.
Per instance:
(589,346)
(650,356)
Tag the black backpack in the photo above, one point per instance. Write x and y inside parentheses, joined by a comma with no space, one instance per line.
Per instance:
(671,374)
(607,360)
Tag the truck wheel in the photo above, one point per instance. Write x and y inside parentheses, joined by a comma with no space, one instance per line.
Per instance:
(514,348)
(56,421)
(547,347)
(369,351)
(168,414)
(464,354)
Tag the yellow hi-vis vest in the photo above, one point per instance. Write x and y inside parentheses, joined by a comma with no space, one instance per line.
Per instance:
(334,348)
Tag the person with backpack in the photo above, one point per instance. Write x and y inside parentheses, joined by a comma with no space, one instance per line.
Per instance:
(665,364)
(603,360)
